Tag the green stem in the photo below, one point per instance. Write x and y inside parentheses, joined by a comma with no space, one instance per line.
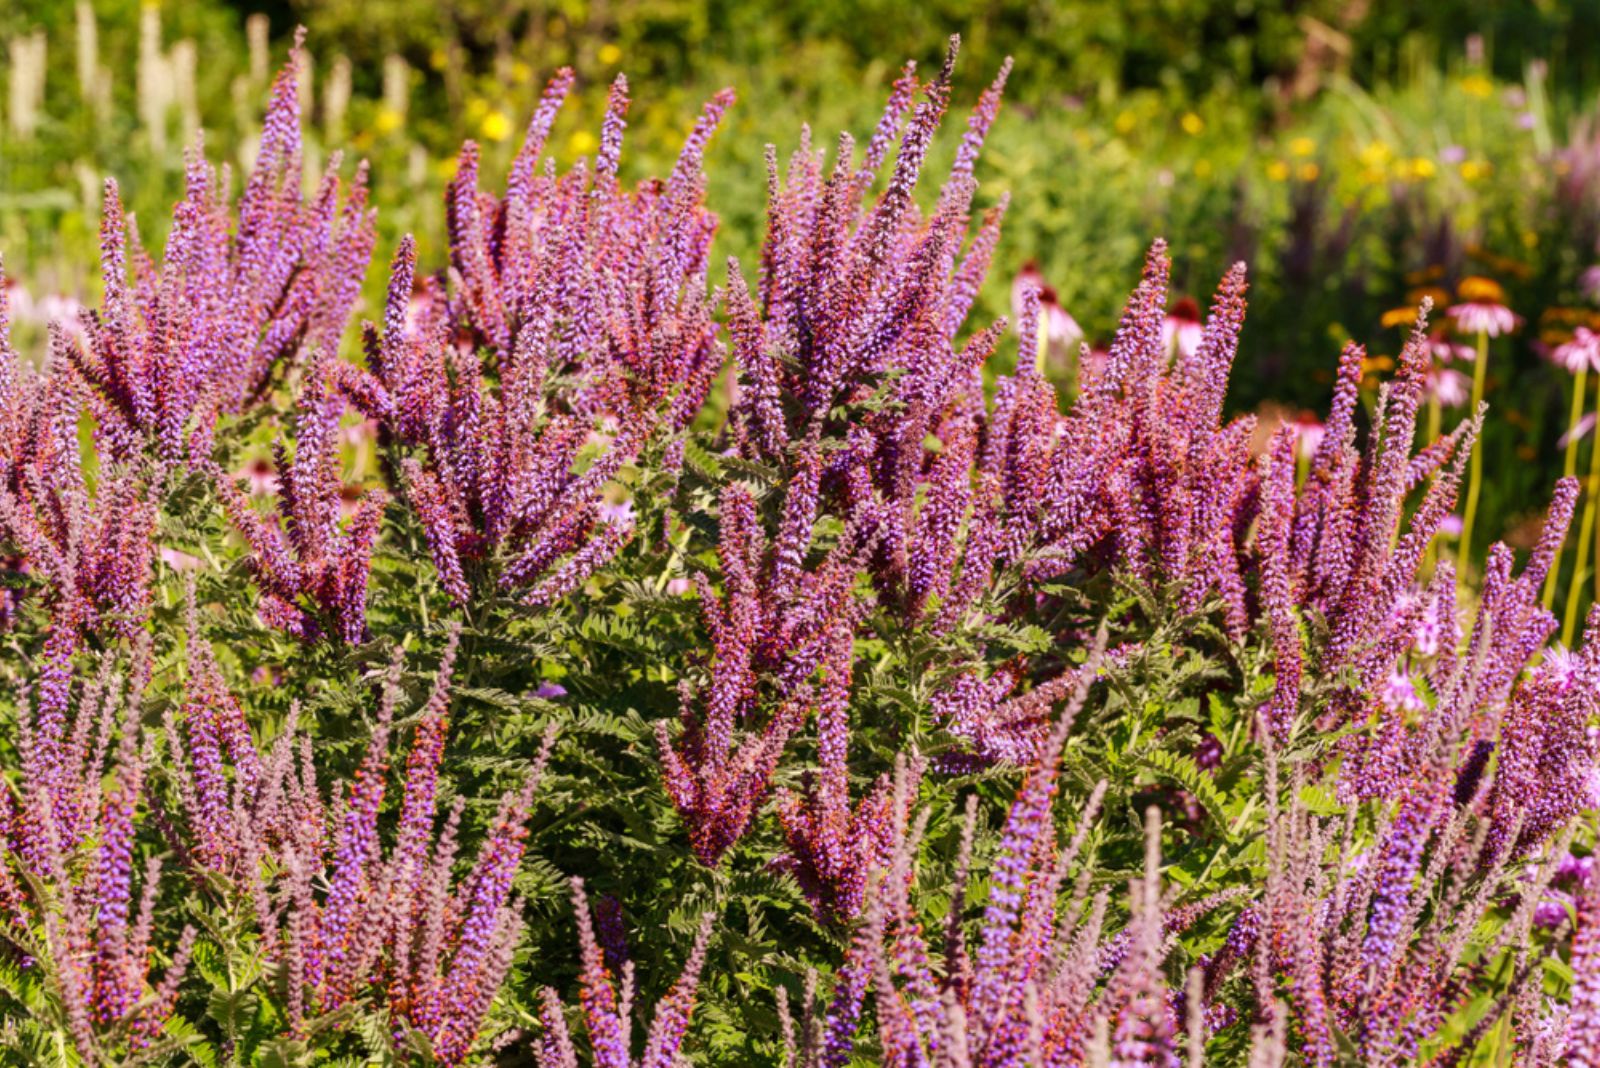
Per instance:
(1569,467)
(1569,621)
(1475,475)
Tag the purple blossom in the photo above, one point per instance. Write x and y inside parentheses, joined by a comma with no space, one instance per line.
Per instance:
(311,570)
(240,290)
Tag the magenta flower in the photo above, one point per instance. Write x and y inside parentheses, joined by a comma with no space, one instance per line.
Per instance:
(93,547)
(1445,349)
(1589,283)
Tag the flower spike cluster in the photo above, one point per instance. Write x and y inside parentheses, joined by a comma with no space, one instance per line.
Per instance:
(92,547)
(67,854)
(606,1014)
(239,291)
(1372,763)
(776,623)
(311,569)
(344,917)
(1047,985)
(579,331)
(833,848)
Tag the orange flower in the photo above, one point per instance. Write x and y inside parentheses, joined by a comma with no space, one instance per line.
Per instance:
(1476,289)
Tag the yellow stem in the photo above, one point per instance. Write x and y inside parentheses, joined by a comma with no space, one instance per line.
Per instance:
(1569,620)
(1475,474)
(1569,467)
(1569,462)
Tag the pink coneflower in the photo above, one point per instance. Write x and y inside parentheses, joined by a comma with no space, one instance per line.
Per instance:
(1483,312)
(1094,360)
(1059,328)
(261,476)
(1182,330)
(1577,432)
(1589,283)
(418,308)
(1582,352)
(350,500)
(1482,318)
(1308,434)
(1450,388)
(360,433)
(40,312)
(1482,309)
(1446,349)
(179,560)
(620,514)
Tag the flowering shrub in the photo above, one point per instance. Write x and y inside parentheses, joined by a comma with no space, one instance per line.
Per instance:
(982,726)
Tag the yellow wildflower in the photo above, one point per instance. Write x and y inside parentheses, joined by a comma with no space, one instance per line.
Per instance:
(609,54)
(496,126)
(1278,171)
(1192,124)
(1418,167)
(1302,146)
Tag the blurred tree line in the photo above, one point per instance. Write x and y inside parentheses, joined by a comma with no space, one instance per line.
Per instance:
(1081,49)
